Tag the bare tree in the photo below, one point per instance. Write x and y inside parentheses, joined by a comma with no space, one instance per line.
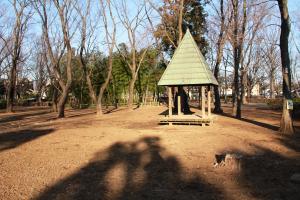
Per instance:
(132,24)
(20,27)
(237,44)
(221,22)
(4,55)
(271,55)
(286,124)
(63,11)
(4,43)
(40,69)
(254,68)
(110,37)
(83,50)
(173,35)
(256,25)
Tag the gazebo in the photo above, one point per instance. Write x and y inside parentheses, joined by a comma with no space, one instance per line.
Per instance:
(188,68)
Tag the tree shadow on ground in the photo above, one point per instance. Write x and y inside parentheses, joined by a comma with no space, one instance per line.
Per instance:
(132,170)
(166,113)
(20,116)
(261,124)
(114,109)
(12,139)
(292,141)
(267,175)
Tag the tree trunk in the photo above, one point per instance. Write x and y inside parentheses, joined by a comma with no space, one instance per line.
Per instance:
(62,102)
(220,45)
(286,124)
(238,51)
(217,108)
(99,101)
(226,86)
(99,106)
(131,92)
(11,88)
(272,84)
(116,100)
(243,86)
(140,92)
(90,85)
(180,32)
(54,100)
(105,84)
(235,58)
(249,87)
(39,98)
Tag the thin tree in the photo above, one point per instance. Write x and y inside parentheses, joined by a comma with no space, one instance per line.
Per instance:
(63,9)
(110,37)
(83,50)
(252,39)
(271,55)
(41,73)
(131,25)
(220,45)
(19,30)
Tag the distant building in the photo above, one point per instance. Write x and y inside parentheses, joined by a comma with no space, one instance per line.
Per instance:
(254,92)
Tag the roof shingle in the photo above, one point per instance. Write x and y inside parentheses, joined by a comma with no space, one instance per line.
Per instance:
(187,66)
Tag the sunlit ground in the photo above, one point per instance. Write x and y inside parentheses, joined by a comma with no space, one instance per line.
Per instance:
(127,155)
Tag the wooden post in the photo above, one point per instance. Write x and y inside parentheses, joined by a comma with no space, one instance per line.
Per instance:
(203,101)
(209,101)
(170,101)
(199,90)
(179,101)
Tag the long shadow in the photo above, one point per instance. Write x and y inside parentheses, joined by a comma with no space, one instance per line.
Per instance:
(77,113)
(266,175)
(292,141)
(108,111)
(261,124)
(9,140)
(166,112)
(132,170)
(21,116)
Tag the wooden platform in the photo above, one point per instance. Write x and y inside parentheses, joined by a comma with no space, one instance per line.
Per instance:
(187,120)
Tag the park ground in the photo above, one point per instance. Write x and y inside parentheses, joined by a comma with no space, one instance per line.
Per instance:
(128,155)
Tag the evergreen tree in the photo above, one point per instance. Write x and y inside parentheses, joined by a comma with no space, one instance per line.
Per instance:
(194,19)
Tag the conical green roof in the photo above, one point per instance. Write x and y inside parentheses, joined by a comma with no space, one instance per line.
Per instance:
(188,66)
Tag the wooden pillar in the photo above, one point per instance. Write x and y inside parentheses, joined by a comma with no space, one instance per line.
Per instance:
(199,90)
(209,101)
(170,101)
(203,101)
(179,100)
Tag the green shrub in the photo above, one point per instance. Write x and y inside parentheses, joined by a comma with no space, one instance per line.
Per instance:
(275,104)
(2,103)
(296,108)
(296,100)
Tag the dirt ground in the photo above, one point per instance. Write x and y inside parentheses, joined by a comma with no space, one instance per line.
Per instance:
(128,155)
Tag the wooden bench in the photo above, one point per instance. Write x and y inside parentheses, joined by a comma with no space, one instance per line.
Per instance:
(187,120)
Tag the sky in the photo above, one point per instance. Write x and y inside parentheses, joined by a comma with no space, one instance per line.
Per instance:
(294,8)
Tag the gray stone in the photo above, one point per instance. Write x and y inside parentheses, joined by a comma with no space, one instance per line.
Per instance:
(295,178)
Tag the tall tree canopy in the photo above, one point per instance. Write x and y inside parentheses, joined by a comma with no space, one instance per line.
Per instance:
(194,18)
